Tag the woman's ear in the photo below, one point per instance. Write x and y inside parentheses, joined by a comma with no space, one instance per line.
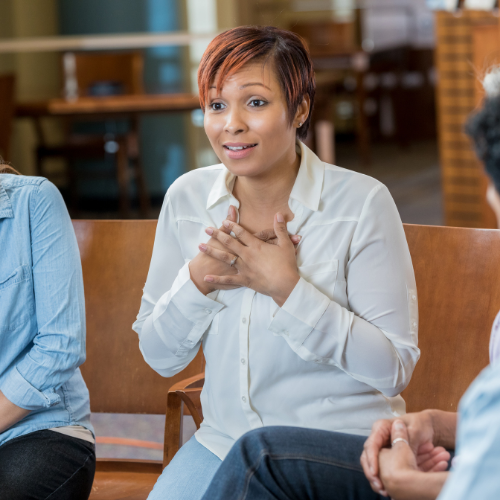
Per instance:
(302,112)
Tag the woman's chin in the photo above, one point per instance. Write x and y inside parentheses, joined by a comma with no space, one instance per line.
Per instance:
(241,168)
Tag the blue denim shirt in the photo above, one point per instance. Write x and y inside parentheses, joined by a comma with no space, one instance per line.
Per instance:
(42,308)
(474,475)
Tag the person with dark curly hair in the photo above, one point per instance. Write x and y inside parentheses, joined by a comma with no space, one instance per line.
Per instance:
(404,458)
(484,128)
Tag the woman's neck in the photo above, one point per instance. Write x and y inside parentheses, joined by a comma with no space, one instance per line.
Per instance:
(262,196)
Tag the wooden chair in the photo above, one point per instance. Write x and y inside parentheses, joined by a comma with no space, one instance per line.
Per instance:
(117,72)
(457,272)
(115,258)
(7,86)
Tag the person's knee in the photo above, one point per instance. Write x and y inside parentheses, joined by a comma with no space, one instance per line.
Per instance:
(258,442)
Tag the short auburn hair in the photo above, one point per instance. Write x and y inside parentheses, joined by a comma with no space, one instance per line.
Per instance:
(231,50)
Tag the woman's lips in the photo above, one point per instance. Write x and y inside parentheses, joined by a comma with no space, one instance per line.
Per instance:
(239,153)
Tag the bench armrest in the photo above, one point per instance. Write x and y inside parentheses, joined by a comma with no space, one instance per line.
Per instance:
(186,392)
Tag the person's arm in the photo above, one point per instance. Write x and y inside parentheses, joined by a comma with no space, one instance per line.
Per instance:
(175,312)
(10,413)
(476,466)
(374,339)
(59,344)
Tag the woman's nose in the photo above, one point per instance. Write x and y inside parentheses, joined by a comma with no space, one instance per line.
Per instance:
(235,124)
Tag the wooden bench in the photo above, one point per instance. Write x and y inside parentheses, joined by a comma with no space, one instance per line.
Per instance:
(457,272)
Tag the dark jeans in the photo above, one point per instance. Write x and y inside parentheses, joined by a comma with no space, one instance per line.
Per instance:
(46,465)
(285,463)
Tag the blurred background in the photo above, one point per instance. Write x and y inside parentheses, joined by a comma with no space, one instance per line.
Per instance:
(101,98)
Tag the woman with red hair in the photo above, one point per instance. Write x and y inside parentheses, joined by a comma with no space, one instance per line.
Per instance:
(317,330)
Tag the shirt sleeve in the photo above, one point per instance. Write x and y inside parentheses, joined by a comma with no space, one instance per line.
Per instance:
(174,314)
(59,345)
(474,474)
(374,339)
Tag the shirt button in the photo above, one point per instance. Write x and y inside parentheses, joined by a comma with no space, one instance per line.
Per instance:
(414,324)
(208,311)
(414,297)
(244,320)
(243,361)
(244,399)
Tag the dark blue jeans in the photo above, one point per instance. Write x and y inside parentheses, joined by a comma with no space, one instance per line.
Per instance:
(46,465)
(291,463)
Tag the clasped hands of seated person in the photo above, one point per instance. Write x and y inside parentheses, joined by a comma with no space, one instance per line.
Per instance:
(265,262)
(400,452)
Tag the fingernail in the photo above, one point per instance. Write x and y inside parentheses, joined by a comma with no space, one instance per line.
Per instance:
(209,230)
(202,247)
(296,237)
(372,470)
(226,223)
(209,278)
(229,211)
(399,425)
(280,218)
(377,484)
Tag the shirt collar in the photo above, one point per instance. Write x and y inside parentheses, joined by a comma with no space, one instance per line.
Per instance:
(306,190)
(5,204)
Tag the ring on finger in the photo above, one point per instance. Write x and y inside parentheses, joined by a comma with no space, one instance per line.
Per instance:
(233,262)
(398,440)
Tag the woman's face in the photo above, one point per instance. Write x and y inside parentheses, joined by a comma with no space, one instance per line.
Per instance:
(248,123)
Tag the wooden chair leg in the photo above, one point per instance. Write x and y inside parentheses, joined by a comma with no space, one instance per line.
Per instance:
(121,159)
(173,427)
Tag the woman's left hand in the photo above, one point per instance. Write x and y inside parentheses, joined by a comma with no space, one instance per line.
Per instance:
(267,269)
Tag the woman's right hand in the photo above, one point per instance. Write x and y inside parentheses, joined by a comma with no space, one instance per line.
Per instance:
(203,264)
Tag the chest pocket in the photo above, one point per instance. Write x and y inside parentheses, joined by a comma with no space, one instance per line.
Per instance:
(16,298)
(322,275)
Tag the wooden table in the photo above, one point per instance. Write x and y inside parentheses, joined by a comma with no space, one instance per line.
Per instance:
(103,108)
(110,105)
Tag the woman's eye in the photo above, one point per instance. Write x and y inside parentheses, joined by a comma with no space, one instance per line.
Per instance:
(217,106)
(257,103)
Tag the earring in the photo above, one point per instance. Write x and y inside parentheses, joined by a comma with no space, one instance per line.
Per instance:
(300,124)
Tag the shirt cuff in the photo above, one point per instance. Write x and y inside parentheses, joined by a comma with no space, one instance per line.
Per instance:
(197,308)
(300,313)
(20,392)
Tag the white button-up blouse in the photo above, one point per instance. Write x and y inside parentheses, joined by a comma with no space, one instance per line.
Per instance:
(338,352)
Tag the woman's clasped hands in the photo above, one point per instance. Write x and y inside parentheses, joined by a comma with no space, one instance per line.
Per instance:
(269,269)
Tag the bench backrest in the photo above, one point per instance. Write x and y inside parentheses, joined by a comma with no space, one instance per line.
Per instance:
(458,282)
(115,259)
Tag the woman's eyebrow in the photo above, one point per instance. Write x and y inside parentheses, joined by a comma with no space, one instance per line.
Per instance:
(254,83)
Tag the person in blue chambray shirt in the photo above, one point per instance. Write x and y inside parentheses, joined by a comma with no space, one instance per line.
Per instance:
(46,440)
